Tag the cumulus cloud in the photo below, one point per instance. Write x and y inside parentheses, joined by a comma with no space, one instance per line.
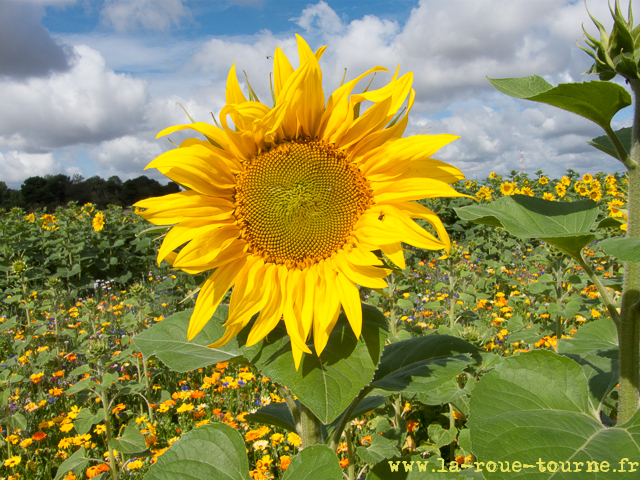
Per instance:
(125,156)
(320,17)
(127,15)
(87,104)
(26,47)
(16,166)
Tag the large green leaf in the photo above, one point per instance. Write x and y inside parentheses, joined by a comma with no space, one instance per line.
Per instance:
(326,384)
(85,420)
(380,449)
(167,340)
(603,143)
(210,451)
(595,100)
(316,462)
(76,463)
(418,468)
(277,414)
(565,225)
(131,441)
(623,248)
(535,407)
(424,365)
(594,337)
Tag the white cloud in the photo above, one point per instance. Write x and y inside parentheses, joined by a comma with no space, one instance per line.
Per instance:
(127,15)
(125,155)
(17,166)
(320,17)
(87,104)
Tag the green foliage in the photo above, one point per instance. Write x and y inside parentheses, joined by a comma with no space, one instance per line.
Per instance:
(595,101)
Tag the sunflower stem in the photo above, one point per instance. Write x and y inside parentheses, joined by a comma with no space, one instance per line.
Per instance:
(629,324)
(310,427)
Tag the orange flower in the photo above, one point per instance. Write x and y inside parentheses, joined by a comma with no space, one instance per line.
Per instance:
(197,394)
(97,470)
(285,461)
(39,436)
(344,463)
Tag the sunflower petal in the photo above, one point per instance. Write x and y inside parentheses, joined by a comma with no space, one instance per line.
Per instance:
(177,207)
(233,92)
(394,252)
(350,299)
(211,294)
(282,70)
(413,189)
(271,314)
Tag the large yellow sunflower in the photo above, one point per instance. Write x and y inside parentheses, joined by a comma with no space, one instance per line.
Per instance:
(288,204)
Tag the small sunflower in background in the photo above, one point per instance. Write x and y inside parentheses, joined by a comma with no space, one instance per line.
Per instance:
(98,221)
(288,204)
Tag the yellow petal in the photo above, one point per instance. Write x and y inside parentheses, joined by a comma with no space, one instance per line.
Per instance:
(195,168)
(212,132)
(211,294)
(251,292)
(177,207)
(272,312)
(233,92)
(375,139)
(204,249)
(339,112)
(364,275)
(415,210)
(350,299)
(413,189)
(282,70)
(185,232)
(394,252)
(392,158)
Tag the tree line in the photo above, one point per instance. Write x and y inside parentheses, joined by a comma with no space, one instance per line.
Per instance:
(52,191)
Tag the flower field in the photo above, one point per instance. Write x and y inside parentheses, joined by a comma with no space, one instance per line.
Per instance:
(82,397)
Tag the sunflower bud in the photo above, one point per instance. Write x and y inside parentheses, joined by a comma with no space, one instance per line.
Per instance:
(18,266)
(618,52)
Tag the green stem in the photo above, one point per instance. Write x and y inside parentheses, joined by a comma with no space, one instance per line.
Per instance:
(340,426)
(452,426)
(604,295)
(107,421)
(397,406)
(350,456)
(629,324)
(148,387)
(291,403)
(310,427)
(452,300)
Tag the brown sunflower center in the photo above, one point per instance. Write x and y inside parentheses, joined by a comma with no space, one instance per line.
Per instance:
(298,202)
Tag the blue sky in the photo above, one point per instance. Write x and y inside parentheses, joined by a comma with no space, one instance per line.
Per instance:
(85,85)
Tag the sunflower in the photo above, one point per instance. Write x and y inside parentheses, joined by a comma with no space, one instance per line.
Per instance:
(98,222)
(288,204)
(508,188)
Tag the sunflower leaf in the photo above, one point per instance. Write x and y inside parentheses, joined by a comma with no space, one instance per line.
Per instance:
(167,340)
(603,142)
(277,414)
(326,384)
(210,451)
(625,249)
(424,365)
(76,463)
(535,407)
(595,100)
(566,226)
(316,462)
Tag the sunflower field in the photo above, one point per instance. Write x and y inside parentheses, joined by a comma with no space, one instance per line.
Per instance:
(325,300)
(80,289)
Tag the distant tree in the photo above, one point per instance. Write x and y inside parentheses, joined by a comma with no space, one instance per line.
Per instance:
(143,187)
(34,191)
